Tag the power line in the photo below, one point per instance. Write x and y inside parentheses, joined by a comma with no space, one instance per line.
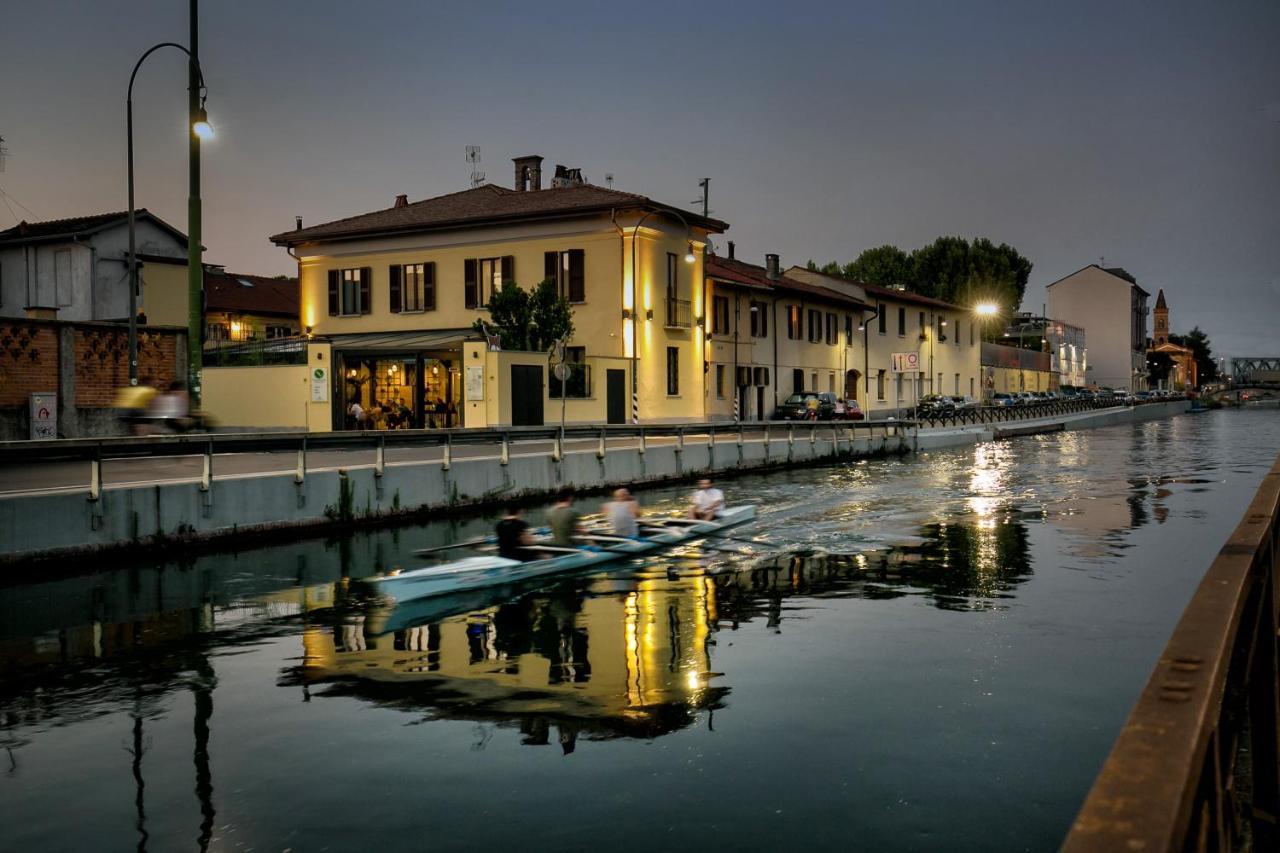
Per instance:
(18,203)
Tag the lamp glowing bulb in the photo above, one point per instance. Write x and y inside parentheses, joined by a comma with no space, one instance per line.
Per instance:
(202,128)
(987,309)
(689,257)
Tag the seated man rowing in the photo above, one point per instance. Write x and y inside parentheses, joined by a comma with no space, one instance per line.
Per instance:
(708,501)
(515,541)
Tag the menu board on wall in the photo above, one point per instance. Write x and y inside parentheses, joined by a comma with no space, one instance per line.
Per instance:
(475,384)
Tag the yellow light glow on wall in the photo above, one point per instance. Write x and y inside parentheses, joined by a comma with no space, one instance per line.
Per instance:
(628,339)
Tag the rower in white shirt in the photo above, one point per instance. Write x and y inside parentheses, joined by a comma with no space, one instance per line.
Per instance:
(708,502)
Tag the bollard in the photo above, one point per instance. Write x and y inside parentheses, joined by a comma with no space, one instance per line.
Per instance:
(766,441)
(813,433)
(679,439)
(791,435)
(739,435)
(380,458)
(505,459)
(557,452)
(711,437)
(642,445)
(448,453)
(300,474)
(600,451)
(206,476)
(95,478)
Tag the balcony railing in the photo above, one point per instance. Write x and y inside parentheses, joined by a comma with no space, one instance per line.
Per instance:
(679,313)
(255,353)
(576,386)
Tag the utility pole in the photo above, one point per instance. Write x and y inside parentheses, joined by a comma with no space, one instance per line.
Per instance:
(705,183)
(195,252)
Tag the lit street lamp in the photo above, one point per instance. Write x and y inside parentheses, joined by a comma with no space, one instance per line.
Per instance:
(200,129)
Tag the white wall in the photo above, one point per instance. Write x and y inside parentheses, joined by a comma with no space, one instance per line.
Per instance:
(1101,304)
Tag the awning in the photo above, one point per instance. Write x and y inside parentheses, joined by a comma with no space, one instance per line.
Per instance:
(414,340)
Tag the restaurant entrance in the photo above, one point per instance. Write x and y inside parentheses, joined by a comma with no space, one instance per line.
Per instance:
(398,390)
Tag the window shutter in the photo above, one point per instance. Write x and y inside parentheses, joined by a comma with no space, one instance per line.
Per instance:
(469,276)
(333,293)
(393,286)
(508,269)
(366,290)
(550,267)
(577,275)
(429,286)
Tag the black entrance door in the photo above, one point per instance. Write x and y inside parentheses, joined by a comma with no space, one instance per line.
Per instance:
(526,395)
(616,395)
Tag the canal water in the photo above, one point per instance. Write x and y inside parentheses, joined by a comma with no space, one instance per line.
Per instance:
(931,652)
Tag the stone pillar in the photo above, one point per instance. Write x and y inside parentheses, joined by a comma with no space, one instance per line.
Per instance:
(68,422)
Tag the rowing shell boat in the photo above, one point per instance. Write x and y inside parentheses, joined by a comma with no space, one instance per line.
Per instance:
(478,572)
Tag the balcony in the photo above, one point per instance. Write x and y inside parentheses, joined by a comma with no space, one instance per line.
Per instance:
(576,386)
(679,314)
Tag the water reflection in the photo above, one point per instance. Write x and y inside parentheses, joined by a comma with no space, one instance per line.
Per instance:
(628,654)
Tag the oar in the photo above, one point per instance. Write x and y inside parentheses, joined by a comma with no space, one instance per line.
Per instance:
(755,542)
(468,543)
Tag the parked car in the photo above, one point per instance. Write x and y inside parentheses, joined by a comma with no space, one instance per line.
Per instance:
(1002,400)
(964,403)
(796,407)
(1026,398)
(934,406)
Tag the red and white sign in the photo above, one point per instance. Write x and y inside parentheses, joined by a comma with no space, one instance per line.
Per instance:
(44,415)
(906,362)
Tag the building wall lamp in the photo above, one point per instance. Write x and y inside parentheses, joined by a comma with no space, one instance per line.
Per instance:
(648,313)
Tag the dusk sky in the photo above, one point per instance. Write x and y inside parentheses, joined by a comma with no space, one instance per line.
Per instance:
(1145,133)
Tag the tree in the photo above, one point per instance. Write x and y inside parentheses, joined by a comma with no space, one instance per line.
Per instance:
(528,321)
(884,265)
(955,270)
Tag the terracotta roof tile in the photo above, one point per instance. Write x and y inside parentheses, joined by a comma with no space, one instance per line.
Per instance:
(753,275)
(250,294)
(482,205)
(51,228)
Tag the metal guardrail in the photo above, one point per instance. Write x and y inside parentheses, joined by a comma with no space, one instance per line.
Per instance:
(97,450)
(1001,414)
(1197,766)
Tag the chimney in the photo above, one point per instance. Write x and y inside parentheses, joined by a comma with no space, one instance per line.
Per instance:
(297,221)
(566,177)
(771,266)
(402,200)
(730,250)
(528,173)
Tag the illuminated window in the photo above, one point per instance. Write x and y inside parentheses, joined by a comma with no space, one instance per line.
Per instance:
(794,331)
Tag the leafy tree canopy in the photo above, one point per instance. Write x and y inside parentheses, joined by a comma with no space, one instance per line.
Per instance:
(528,320)
(950,268)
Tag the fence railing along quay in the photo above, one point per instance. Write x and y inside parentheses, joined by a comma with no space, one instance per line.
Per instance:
(1197,764)
(95,451)
(1001,414)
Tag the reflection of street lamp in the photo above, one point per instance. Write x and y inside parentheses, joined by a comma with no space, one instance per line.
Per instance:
(201,129)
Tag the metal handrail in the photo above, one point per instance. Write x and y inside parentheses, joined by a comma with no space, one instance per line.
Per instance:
(1196,766)
(123,447)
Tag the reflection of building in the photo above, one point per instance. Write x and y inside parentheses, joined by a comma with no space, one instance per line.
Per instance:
(631,660)
(1182,372)
(1112,309)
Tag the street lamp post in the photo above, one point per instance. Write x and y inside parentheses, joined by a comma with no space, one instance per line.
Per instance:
(200,129)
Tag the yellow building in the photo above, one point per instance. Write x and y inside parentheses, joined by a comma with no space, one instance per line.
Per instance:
(945,340)
(396,293)
(772,335)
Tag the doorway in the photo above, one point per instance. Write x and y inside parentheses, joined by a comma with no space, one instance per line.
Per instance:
(616,396)
(526,395)
(851,378)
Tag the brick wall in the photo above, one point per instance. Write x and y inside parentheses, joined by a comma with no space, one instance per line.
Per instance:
(28,360)
(102,362)
(85,364)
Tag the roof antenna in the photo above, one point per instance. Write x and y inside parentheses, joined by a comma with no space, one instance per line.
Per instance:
(608,179)
(473,158)
(3,151)
(705,201)
(1102,262)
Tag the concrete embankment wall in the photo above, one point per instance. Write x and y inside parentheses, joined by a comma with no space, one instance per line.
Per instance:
(66,524)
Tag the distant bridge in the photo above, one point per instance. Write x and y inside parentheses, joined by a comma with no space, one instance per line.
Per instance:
(1264,370)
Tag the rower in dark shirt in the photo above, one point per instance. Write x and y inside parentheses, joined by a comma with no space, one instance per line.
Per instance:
(514,538)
